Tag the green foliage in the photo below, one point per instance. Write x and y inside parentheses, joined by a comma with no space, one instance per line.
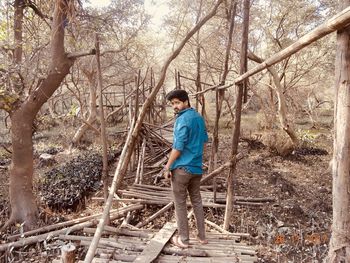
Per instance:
(74,110)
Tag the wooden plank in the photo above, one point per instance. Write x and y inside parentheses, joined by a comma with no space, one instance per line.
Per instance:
(170,259)
(156,244)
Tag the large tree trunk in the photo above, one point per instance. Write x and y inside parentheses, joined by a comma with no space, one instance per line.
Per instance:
(339,249)
(22,199)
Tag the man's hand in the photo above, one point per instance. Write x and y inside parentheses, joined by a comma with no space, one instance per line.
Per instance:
(167,174)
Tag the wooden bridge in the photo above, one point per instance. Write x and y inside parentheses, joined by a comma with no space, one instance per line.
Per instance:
(121,245)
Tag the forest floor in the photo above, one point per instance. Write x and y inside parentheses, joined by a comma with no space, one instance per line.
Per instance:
(294,228)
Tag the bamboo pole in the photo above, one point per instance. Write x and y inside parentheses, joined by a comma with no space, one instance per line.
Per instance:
(58,225)
(155,215)
(142,160)
(339,21)
(45,236)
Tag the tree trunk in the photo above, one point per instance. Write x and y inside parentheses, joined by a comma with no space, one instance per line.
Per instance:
(102,121)
(22,200)
(91,76)
(23,205)
(220,94)
(282,107)
(237,124)
(339,248)
(200,100)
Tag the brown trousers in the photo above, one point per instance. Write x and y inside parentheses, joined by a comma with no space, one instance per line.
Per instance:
(182,182)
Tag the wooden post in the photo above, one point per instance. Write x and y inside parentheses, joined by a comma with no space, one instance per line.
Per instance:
(164,115)
(237,124)
(151,86)
(176,87)
(137,85)
(131,121)
(142,160)
(124,100)
(178,80)
(102,120)
(198,58)
(68,253)
(339,245)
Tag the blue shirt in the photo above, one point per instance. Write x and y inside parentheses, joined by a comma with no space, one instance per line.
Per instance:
(189,137)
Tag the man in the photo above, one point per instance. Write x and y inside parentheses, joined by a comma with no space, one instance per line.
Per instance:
(184,166)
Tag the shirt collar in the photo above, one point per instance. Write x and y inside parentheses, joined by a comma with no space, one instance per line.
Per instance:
(184,110)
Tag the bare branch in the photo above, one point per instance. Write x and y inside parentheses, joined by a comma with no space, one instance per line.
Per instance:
(37,11)
(81,54)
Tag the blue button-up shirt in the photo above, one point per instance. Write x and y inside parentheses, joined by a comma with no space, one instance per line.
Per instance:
(189,137)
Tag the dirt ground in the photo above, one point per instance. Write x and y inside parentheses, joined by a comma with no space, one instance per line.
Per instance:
(293,228)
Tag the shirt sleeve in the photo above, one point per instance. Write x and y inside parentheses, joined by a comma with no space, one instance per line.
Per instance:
(180,136)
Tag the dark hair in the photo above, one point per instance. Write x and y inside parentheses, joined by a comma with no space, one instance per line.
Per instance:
(180,94)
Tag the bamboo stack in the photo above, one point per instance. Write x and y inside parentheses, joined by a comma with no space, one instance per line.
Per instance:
(162,195)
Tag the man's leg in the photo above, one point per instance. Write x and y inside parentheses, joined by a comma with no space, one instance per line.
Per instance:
(196,200)
(180,180)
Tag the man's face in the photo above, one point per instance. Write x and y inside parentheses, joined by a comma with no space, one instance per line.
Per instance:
(178,105)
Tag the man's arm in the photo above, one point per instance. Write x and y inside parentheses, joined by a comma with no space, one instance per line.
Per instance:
(174,154)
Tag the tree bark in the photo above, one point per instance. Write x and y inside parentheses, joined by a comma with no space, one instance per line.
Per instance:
(18,31)
(339,248)
(237,124)
(23,205)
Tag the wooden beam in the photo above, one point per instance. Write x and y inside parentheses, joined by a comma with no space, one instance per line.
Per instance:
(156,244)
(340,20)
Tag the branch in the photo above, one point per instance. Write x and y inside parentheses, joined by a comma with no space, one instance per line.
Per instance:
(81,54)
(38,12)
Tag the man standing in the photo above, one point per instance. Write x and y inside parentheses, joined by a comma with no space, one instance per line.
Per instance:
(184,166)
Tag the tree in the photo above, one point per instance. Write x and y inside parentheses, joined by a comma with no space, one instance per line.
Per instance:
(23,105)
(339,249)
(123,53)
(237,125)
